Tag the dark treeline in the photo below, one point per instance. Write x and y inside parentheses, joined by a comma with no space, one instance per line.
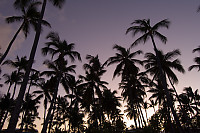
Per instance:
(88,105)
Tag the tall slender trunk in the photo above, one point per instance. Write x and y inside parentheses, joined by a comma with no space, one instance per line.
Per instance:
(15,86)
(146,115)
(10,44)
(163,80)
(139,120)
(136,125)
(49,114)
(9,89)
(45,108)
(19,101)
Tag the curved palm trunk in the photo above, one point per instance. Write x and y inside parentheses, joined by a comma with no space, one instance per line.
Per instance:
(49,114)
(10,44)
(163,80)
(15,113)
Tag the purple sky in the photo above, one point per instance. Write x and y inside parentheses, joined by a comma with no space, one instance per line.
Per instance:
(96,25)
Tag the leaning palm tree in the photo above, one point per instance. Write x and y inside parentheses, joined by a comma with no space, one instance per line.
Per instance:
(149,32)
(29,17)
(15,114)
(196,60)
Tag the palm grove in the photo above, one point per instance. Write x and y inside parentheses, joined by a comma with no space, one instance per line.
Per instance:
(89,105)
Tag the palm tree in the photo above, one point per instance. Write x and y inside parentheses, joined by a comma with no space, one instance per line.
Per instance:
(110,103)
(46,89)
(6,105)
(92,83)
(30,107)
(62,49)
(61,71)
(158,93)
(16,79)
(168,64)
(59,47)
(19,63)
(149,32)
(125,61)
(9,79)
(15,114)
(35,79)
(196,60)
(29,18)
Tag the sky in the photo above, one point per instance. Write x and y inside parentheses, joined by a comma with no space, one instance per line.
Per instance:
(96,25)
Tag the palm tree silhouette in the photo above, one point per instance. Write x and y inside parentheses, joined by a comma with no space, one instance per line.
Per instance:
(30,111)
(6,106)
(46,89)
(133,90)
(29,17)
(111,103)
(62,73)
(59,67)
(92,84)
(149,32)
(125,60)
(15,114)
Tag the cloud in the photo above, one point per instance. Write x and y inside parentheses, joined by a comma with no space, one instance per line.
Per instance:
(7,32)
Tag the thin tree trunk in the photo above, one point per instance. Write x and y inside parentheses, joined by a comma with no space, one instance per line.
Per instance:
(45,109)
(139,120)
(10,44)
(163,80)
(19,101)
(49,114)
(15,86)
(9,89)
(135,121)
(146,115)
